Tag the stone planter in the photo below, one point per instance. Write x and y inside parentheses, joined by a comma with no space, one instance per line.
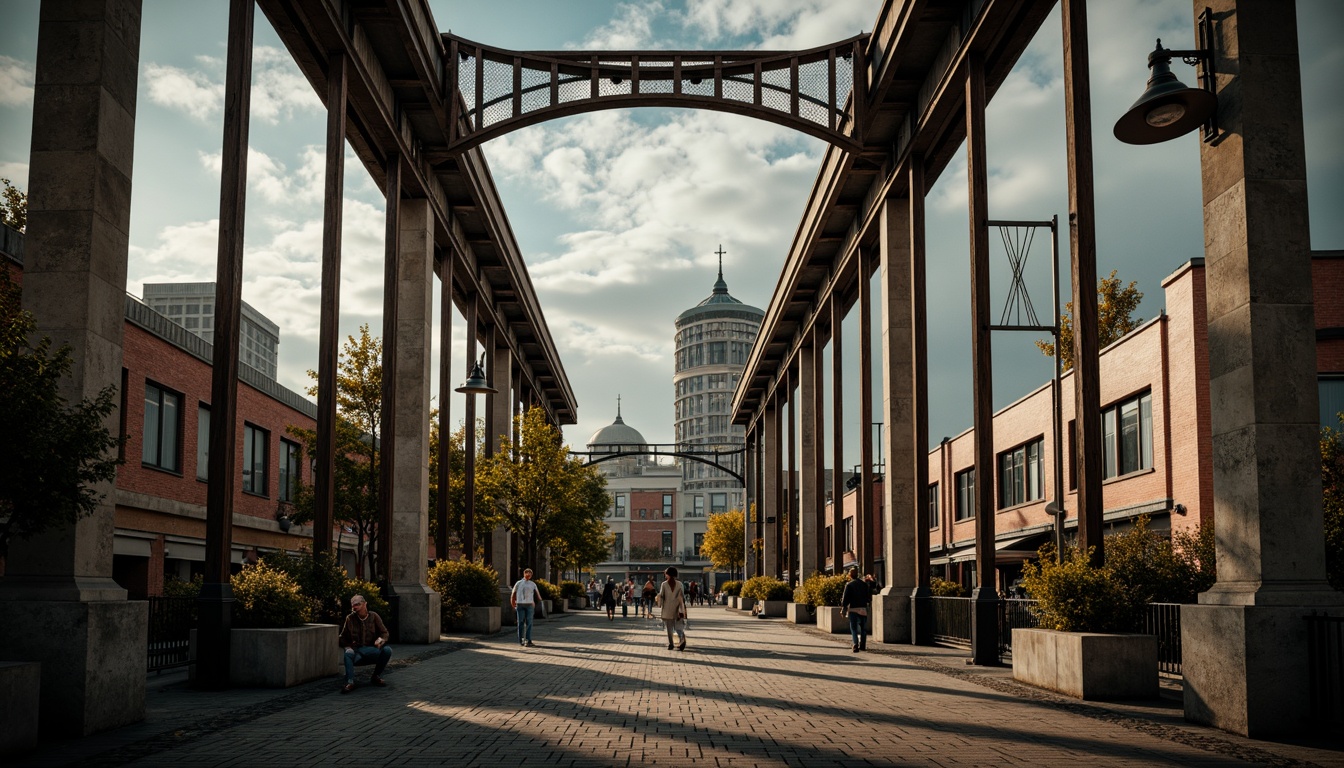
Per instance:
(746,603)
(20,684)
(543,610)
(483,620)
(800,613)
(558,605)
(830,620)
(283,658)
(1087,665)
(774,609)
(578,603)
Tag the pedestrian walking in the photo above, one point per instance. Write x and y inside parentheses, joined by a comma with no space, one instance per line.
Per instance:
(646,598)
(627,596)
(524,598)
(693,592)
(672,600)
(854,603)
(609,598)
(593,594)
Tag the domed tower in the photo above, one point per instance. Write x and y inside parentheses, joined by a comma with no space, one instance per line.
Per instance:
(618,437)
(713,341)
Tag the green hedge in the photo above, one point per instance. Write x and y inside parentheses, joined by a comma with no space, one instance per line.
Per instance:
(944,588)
(326,585)
(731,588)
(463,584)
(819,589)
(572,589)
(548,590)
(267,598)
(766,588)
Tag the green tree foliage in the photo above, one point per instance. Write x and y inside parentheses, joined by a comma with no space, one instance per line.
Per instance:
(267,598)
(13,206)
(1332,485)
(572,589)
(538,491)
(326,585)
(731,588)
(359,399)
(463,584)
(457,483)
(1075,596)
(725,539)
(1115,307)
(54,453)
(584,543)
(1155,569)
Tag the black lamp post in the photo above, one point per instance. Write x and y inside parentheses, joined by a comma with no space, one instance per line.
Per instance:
(476,384)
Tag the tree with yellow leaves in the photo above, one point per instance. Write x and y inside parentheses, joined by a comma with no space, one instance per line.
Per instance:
(1115,305)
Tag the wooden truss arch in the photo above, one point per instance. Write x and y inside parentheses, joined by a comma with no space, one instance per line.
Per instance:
(501,91)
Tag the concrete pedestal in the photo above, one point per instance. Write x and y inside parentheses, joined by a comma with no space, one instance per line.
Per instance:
(93,661)
(1245,668)
(830,620)
(483,621)
(418,617)
(890,619)
(20,686)
(801,613)
(1087,665)
(283,658)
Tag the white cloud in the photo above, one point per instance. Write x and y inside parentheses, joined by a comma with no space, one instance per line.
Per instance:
(279,90)
(630,29)
(16,173)
(781,24)
(16,82)
(273,181)
(191,92)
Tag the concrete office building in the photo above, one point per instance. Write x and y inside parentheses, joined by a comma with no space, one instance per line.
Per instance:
(192,306)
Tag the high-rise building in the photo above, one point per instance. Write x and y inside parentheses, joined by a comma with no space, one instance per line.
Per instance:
(713,341)
(192,306)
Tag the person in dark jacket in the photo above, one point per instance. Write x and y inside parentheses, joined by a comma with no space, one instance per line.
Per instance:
(609,598)
(364,637)
(855,603)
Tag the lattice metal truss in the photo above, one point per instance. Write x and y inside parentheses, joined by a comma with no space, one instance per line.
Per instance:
(503,90)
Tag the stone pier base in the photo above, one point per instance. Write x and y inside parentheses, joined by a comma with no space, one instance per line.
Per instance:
(890,619)
(418,615)
(93,661)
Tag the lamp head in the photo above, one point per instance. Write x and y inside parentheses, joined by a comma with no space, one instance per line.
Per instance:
(1167,109)
(476,383)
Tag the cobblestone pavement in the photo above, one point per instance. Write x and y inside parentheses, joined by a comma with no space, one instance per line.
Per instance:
(746,692)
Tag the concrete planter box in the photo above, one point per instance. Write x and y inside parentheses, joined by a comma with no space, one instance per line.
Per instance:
(20,684)
(800,613)
(543,610)
(578,603)
(283,658)
(558,605)
(484,620)
(830,620)
(1087,665)
(774,609)
(746,603)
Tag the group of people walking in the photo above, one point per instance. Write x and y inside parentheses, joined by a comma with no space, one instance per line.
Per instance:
(670,598)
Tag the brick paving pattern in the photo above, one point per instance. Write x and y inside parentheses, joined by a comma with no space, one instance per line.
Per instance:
(746,692)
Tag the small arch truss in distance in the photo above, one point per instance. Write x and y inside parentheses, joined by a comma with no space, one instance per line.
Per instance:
(725,460)
(812,91)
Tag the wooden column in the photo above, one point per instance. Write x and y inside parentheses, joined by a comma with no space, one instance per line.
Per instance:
(445,395)
(505,552)
(863,510)
(1083,250)
(215,615)
(789,531)
(770,511)
(469,443)
(922,609)
(809,489)
(817,467)
(387,429)
(329,338)
(984,628)
(749,496)
(837,436)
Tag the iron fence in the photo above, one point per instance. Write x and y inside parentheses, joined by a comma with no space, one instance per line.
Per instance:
(1014,613)
(1163,620)
(1325,665)
(171,620)
(952,620)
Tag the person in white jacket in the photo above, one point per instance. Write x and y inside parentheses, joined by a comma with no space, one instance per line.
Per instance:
(672,600)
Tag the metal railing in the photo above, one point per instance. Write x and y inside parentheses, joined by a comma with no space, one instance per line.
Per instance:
(1014,613)
(1163,620)
(171,620)
(1325,666)
(952,620)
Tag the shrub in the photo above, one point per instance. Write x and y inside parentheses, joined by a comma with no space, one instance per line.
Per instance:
(944,588)
(548,590)
(267,598)
(765,588)
(175,587)
(572,589)
(326,585)
(731,588)
(1074,595)
(829,589)
(463,584)
(800,594)
(369,591)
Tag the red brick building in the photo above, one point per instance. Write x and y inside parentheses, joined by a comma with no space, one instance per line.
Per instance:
(161,486)
(1155,429)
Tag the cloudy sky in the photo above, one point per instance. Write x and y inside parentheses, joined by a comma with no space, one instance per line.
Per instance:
(619,213)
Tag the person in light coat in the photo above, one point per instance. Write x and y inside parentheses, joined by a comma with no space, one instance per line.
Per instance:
(672,600)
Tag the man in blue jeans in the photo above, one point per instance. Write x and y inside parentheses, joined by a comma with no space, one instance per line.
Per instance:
(524,602)
(364,637)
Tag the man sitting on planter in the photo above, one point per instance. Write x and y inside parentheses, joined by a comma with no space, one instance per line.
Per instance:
(364,637)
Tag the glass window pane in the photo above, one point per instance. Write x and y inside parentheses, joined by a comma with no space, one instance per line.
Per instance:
(202,444)
(1129,437)
(168,454)
(1146,430)
(1108,463)
(1331,400)
(150,453)
(247,459)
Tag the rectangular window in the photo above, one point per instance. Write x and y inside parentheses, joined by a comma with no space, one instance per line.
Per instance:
(699,506)
(828,540)
(667,505)
(718,502)
(667,543)
(1127,436)
(290,469)
(1072,457)
(934,520)
(255,441)
(620,505)
(1020,474)
(965,509)
(1331,391)
(849,534)
(618,547)
(699,542)
(203,442)
(163,427)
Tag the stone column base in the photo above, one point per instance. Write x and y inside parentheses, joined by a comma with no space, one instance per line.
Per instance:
(93,661)
(1246,669)
(891,616)
(418,618)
